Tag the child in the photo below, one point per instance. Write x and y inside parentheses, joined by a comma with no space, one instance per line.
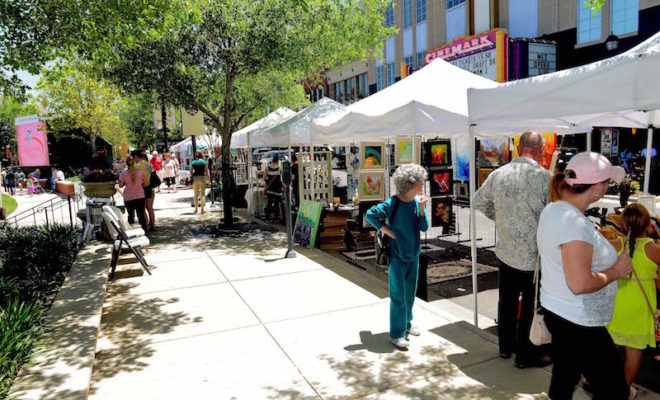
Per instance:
(632,324)
(406,217)
(30,186)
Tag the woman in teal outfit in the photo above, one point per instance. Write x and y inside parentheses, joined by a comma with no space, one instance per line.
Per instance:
(403,228)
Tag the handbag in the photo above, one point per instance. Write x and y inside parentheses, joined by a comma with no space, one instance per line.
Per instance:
(154,180)
(381,241)
(538,333)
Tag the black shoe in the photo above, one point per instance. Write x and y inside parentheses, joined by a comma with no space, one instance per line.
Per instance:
(538,362)
(505,355)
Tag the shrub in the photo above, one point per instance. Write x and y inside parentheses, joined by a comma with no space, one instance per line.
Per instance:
(34,261)
(19,327)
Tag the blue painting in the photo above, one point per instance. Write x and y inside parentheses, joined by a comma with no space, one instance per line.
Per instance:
(462,162)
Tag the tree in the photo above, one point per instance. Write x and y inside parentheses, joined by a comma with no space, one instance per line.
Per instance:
(10,109)
(136,119)
(73,99)
(231,58)
(594,5)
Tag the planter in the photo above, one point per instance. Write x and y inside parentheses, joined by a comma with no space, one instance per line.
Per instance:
(65,188)
(99,189)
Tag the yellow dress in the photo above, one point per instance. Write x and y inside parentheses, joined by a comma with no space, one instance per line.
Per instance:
(632,323)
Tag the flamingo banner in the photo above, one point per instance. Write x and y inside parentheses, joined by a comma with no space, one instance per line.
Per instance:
(32,142)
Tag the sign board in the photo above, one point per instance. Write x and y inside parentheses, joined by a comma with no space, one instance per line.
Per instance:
(307,223)
(158,120)
(31,141)
(192,122)
(542,58)
(615,142)
(484,54)
(606,142)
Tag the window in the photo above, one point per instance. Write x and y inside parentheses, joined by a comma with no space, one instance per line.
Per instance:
(389,15)
(624,16)
(420,59)
(588,26)
(454,3)
(390,74)
(408,61)
(350,89)
(362,86)
(421,11)
(407,14)
(339,91)
(380,77)
(455,20)
(524,18)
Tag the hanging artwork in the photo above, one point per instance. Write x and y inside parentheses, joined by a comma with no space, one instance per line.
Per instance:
(438,153)
(372,185)
(404,150)
(372,155)
(461,190)
(493,152)
(462,159)
(441,182)
(442,213)
(307,223)
(550,145)
(315,182)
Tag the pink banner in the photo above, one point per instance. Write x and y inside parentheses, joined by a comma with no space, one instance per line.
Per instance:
(32,142)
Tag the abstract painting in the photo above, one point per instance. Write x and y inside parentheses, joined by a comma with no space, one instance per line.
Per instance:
(493,152)
(307,223)
(441,182)
(550,145)
(372,155)
(462,159)
(442,213)
(372,185)
(404,151)
(438,153)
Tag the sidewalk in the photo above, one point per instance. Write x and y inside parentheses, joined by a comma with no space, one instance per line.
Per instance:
(229,318)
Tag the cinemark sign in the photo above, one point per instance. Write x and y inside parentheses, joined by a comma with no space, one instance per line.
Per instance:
(462,47)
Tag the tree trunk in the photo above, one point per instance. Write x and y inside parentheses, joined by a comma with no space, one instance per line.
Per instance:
(163,116)
(92,142)
(226,154)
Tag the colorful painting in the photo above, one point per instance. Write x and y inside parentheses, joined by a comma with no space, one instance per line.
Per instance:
(441,182)
(438,153)
(442,213)
(372,185)
(550,145)
(307,223)
(31,142)
(372,155)
(404,151)
(462,159)
(493,152)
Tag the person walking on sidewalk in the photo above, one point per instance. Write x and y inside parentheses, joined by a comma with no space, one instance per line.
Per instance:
(406,217)
(274,189)
(513,196)
(133,181)
(579,269)
(200,175)
(170,171)
(157,164)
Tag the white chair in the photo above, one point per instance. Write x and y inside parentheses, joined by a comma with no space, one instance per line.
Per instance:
(123,223)
(121,241)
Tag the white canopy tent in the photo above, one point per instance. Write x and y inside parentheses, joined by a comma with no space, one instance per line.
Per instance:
(241,137)
(620,91)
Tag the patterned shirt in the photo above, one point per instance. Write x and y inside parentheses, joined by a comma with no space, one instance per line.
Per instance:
(513,196)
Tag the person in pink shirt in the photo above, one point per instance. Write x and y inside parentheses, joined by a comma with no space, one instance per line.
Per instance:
(133,181)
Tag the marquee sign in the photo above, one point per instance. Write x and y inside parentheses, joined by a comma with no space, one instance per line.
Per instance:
(483,54)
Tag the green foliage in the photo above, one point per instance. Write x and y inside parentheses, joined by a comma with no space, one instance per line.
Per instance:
(19,328)
(10,108)
(74,99)
(136,118)
(34,261)
(595,6)
(9,203)
(73,179)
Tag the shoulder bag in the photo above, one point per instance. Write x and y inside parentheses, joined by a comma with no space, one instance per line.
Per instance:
(381,242)
(538,333)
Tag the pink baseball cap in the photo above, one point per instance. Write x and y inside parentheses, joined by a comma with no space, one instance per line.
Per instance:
(590,168)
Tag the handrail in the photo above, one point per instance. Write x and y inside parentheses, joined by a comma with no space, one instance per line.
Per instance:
(52,205)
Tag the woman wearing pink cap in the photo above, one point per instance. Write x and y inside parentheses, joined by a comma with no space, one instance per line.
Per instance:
(579,269)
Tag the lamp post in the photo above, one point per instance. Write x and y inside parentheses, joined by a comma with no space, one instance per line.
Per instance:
(612,42)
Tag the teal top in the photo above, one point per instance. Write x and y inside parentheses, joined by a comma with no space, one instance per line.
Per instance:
(407,225)
(198,167)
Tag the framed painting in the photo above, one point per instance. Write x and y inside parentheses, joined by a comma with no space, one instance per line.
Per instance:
(307,223)
(461,190)
(493,152)
(404,150)
(461,159)
(438,153)
(483,174)
(441,182)
(441,213)
(372,155)
(372,185)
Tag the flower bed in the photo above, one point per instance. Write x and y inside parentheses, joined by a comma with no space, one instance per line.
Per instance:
(33,264)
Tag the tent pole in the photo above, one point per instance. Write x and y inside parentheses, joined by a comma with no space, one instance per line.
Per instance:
(473,233)
(387,169)
(649,148)
(311,155)
(589,141)
(249,164)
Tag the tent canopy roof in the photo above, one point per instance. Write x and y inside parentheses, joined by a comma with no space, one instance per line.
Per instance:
(623,90)
(239,138)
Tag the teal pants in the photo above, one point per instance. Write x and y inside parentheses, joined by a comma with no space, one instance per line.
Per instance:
(403,286)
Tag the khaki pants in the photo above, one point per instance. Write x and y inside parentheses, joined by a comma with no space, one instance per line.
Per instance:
(199,189)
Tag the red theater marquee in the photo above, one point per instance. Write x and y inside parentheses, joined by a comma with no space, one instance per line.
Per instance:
(483,54)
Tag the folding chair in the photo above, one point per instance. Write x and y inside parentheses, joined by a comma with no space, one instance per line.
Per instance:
(121,221)
(123,242)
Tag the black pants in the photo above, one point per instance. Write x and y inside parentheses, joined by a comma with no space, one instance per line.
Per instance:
(589,351)
(133,206)
(513,332)
(274,205)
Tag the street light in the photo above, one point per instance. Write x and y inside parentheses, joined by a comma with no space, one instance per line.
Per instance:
(612,42)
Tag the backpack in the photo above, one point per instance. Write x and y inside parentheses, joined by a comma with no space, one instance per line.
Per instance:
(381,241)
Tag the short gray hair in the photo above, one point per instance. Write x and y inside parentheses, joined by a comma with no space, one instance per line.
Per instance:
(408,176)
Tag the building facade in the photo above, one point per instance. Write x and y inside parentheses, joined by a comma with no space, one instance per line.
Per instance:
(499,39)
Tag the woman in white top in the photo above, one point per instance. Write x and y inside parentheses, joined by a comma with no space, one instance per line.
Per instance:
(579,269)
(170,171)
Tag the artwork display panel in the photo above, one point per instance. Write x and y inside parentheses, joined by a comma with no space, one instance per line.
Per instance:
(438,153)
(442,213)
(493,152)
(372,155)
(441,182)
(307,223)
(372,185)
(404,150)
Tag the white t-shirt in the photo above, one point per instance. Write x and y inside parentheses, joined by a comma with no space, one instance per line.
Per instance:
(560,223)
(168,168)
